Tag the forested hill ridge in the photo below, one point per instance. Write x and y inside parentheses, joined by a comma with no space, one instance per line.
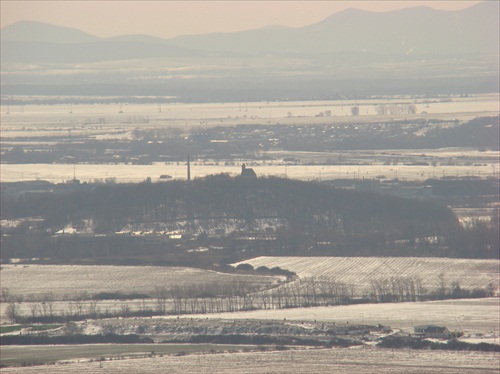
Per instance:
(281,216)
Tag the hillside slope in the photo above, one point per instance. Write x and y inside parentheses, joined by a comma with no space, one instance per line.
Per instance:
(363,271)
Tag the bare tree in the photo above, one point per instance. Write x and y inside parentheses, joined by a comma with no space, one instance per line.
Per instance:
(93,308)
(34,307)
(441,285)
(125,310)
(5,297)
(47,304)
(381,109)
(77,302)
(12,312)
(161,295)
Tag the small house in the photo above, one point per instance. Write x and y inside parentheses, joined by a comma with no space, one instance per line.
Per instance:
(431,331)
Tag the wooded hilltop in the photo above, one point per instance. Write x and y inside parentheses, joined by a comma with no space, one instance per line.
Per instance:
(251,216)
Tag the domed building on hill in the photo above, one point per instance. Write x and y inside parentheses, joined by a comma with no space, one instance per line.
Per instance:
(247,172)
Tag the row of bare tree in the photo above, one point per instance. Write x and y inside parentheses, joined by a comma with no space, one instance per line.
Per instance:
(396,289)
(395,109)
(237,296)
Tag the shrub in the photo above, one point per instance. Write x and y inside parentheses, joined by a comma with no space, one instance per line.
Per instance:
(246,267)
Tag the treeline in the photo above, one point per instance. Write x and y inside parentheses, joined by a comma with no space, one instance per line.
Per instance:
(36,339)
(401,289)
(280,341)
(214,297)
(234,297)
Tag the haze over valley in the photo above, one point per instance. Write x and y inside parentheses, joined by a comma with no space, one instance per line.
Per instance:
(352,53)
(321,197)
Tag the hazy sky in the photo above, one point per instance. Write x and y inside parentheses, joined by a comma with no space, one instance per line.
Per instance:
(171,18)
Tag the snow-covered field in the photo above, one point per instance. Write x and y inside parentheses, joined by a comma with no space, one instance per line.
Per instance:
(471,316)
(360,360)
(216,114)
(360,271)
(68,281)
(58,173)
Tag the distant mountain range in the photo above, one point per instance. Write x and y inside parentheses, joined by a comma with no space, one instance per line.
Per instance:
(38,42)
(411,31)
(351,53)
(419,30)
